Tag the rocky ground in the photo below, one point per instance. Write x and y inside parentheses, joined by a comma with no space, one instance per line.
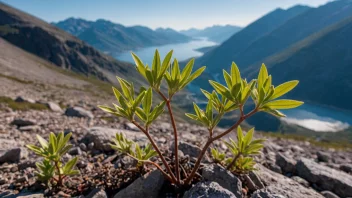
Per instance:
(286,168)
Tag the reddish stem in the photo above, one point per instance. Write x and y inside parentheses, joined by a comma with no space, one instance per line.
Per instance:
(174,180)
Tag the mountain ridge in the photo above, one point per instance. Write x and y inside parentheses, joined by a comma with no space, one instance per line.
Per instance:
(114,38)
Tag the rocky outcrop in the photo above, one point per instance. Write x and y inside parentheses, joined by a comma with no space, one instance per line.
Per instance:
(147,186)
(10,156)
(223,177)
(286,164)
(325,178)
(278,184)
(78,112)
(209,189)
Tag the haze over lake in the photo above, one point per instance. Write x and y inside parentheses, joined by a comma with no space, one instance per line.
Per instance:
(182,51)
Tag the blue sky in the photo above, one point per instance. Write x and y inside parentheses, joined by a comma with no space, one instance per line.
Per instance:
(177,14)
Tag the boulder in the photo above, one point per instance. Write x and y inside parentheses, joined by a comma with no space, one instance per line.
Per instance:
(225,178)
(24,99)
(346,167)
(23,122)
(325,178)
(101,137)
(187,149)
(286,164)
(300,180)
(78,112)
(54,107)
(323,156)
(263,193)
(278,184)
(147,186)
(328,194)
(210,190)
(10,155)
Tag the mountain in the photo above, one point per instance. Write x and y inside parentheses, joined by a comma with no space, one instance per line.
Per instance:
(113,38)
(323,64)
(216,33)
(58,47)
(231,49)
(302,23)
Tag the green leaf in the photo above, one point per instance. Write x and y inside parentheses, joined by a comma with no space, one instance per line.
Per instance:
(221,89)
(125,86)
(117,93)
(235,74)
(147,102)
(192,116)
(261,96)
(139,99)
(42,141)
(283,89)
(197,110)
(107,109)
(139,64)
(267,84)
(195,75)
(175,74)
(274,112)
(206,94)
(186,72)
(165,65)
(239,134)
(227,78)
(248,137)
(156,65)
(263,75)
(283,104)
(150,78)
(70,164)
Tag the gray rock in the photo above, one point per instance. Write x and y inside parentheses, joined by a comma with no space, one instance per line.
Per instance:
(263,193)
(130,126)
(256,180)
(300,180)
(325,178)
(296,148)
(187,149)
(225,178)
(78,112)
(26,164)
(278,184)
(75,151)
(275,168)
(83,147)
(54,107)
(24,99)
(323,156)
(286,164)
(24,195)
(100,137)
(97,193)
(33,128)
(23,122)
(346,167)
(10,155)
(147,186)
(209,190)
(328,194)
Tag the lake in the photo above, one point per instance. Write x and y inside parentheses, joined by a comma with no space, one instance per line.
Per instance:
(182,51)
(319,118)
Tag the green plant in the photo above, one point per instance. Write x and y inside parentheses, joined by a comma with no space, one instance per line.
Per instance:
(242,152)
(222,100)
(52,168)
(132,149)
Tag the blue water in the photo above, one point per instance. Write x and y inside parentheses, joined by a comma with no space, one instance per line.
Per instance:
(319,118)
(182,51)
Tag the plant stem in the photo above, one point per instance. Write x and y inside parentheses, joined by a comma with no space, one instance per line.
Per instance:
(177,164)
(211,140)
(59,182)
(174,180)
(156,165)
(233,161)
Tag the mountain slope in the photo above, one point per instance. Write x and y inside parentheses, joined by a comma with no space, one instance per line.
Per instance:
(216,33)
(229,51)
(322,63)
(57,46)
(113,38)
(280,38)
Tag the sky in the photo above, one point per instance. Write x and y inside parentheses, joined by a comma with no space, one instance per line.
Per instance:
(176,14)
